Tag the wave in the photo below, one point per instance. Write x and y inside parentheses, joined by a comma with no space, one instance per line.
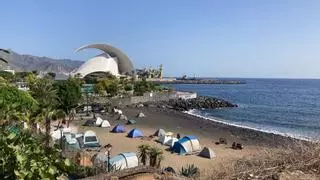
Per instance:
(207,116)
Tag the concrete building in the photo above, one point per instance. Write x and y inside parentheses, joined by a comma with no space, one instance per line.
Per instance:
(112,60)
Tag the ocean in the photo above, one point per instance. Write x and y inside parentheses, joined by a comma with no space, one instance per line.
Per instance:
(289,107)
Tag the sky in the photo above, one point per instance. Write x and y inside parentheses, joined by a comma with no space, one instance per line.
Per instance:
(205,38)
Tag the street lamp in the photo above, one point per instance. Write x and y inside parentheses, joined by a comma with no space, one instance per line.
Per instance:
(108,148)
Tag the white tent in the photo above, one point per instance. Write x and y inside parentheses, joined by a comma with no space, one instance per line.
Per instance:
(124,160)
(164,139)
(98,121)
(90,139)
(171,142)
(56,134)
(141,115)
(105,123)
(207,153)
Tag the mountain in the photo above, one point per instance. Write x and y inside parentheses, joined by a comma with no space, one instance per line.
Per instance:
(22,62)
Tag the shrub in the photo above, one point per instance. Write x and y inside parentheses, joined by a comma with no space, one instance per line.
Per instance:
(190,171)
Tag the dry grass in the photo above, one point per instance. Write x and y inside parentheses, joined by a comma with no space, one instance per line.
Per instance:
(299,157)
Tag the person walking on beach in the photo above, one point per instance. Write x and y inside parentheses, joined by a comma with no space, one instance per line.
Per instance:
(178,136)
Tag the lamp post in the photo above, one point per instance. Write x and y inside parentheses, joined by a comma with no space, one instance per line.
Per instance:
(108,148)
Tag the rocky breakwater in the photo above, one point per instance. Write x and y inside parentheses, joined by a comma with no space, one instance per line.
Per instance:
(187,104)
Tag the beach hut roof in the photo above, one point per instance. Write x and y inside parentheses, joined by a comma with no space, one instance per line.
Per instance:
(105,123)
(124,160)
(99,121)
(132,121)
(160,132)
(119,128)
(135,133)
(207,153)
(186,145)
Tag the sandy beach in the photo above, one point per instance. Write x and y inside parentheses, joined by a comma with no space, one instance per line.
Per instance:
(177,122)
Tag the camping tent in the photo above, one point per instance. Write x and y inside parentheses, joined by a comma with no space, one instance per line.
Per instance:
(164,139)
(141,115)
(124,160)
(98,121)
(119,128)
(186,145)
(105,123)
(89,122)
(171,142)
(131,121)
(90,139)
(160,132)
(71,143)
(207,153)
(135,133)
(122,117)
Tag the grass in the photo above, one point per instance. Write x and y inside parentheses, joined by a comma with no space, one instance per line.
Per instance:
(300,157)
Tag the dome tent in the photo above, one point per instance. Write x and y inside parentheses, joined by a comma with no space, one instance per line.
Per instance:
(122,117)
(105,123)
(171,142)
(119,128)
(98,121)
(160,132)
(187,145)
(141,115)
(207,153)
(164,139)
(131,121)
(134,133)
(124,161)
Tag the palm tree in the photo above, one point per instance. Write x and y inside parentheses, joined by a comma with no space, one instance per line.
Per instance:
(43,91)
(143,153)
(155,156)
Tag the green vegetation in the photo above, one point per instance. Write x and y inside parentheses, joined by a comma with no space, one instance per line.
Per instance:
(154,154)
(190,171)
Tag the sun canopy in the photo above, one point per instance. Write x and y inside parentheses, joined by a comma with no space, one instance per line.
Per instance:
(187,145)
(134,133)
(119,128)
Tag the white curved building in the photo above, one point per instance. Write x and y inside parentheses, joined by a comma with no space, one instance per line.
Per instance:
(112,60)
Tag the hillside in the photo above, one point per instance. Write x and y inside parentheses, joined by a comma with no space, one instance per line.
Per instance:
(21,62)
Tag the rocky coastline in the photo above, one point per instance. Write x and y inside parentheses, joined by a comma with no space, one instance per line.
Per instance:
(201,102)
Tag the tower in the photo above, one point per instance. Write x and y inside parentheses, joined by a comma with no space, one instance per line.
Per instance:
(161,71)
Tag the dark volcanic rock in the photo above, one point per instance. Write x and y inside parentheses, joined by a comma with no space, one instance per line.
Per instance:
(197,103)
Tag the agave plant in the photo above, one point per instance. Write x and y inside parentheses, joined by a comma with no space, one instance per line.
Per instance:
(190,171)
(155,157)
(143,153)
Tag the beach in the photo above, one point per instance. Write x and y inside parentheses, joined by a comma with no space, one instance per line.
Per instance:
(208,133)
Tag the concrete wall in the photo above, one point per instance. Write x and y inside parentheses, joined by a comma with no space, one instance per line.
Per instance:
(149,97)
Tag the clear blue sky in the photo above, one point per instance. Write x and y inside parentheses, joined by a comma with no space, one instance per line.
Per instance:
(226,38)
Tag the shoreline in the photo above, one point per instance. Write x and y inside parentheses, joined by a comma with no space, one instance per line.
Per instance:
(247,127)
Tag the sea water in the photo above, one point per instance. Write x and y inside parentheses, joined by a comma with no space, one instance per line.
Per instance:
(290,107)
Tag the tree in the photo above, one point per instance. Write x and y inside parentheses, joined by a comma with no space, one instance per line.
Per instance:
(143,153)
(68,95)
(43,91)
(155,157)
(22,157)
(15,103)
(7,76)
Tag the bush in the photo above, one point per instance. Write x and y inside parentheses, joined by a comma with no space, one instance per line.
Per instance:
(190,171)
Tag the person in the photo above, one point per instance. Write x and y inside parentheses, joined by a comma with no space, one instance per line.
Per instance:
(178,136)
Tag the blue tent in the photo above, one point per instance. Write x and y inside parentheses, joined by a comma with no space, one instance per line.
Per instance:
(119,128)
(186,145)
(135,133)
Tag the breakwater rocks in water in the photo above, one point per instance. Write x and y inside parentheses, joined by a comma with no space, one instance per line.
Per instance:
(187,104)
(201,81)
